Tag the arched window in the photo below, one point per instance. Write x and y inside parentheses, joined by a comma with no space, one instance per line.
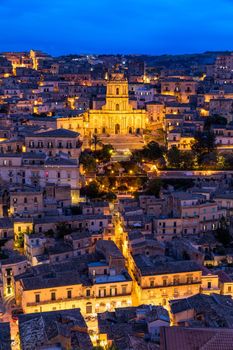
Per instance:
(117,107)
(130,130)
(104,130)
(95,131)
(117,91)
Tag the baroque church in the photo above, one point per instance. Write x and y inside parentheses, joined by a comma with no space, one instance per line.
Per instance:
(117,116)
(117,122)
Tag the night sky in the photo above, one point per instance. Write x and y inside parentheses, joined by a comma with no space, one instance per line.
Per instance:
(116,26)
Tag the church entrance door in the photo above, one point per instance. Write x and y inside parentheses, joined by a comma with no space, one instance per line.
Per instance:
(117,129)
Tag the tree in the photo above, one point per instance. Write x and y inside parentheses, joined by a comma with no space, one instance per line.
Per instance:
(223,232)
(95,140)
(88,162)
(63,229)
(137,155)
(203,145)
(49,233)
(153,187)
(116,168)
(215,119)
(92,190)
(109,196)
(19,240)
(104,181)
(105,153)
(204,142)
(2,243)
(152,151)
(122,187)
(178,184)
(228,160)
(209,160)
(174,157)
(186,160)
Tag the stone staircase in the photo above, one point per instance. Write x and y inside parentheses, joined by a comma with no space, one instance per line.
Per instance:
(124,142)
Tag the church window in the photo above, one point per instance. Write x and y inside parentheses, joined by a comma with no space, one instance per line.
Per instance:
(117,107)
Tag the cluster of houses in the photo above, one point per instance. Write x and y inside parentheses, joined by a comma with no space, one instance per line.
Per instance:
(87,272)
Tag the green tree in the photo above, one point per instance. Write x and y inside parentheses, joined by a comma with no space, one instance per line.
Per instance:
(49,233)
(2,243)
(104,182)
(152,151)
(228,160)
(204,143)
(105,153)
(223,232)
(19,240)
(109,196)
(209,160)
(131,167)
(63,229)
(215,119)
(88,162)
(92,190)
(153,187)
(186,160)
(95,140)
(174,157)
(137,155)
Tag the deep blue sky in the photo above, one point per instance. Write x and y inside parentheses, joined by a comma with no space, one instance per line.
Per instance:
(116,26)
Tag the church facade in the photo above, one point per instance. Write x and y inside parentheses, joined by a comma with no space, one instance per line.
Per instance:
(117,116)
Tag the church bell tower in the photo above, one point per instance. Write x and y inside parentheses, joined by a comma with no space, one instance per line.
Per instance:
(117,97)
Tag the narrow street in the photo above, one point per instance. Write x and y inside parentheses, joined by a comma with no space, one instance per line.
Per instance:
(122,243)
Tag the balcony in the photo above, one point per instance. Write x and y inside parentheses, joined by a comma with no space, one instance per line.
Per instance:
(60,300)
(172,285)
(210,290)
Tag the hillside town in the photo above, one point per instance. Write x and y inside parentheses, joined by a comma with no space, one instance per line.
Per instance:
(116,201)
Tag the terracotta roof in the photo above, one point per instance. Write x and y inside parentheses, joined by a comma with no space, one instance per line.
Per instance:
(224,277)
(173,338)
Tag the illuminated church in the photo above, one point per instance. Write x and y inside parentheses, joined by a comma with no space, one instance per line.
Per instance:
(117,116)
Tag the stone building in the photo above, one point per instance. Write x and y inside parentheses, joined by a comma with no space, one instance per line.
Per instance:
(117,116)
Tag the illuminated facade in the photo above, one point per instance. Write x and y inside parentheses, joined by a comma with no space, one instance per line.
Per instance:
(161,282)
(116,117)
(87,283)
(179,140)
(182,89)
(97,298)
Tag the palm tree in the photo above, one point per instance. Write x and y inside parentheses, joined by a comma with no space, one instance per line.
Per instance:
(95,140)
